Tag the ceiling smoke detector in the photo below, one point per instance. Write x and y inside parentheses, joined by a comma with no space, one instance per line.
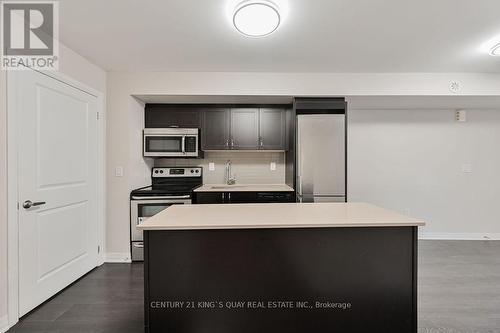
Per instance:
(495,50)
(256,18)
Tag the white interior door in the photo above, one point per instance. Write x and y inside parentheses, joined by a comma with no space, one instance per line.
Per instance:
(57,158)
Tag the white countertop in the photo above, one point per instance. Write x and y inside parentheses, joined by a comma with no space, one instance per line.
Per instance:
(244,188)
(276,215)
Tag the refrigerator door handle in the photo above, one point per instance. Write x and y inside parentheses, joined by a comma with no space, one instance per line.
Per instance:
(299,185)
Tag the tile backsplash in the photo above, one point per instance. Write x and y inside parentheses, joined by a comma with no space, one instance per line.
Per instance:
(247,167)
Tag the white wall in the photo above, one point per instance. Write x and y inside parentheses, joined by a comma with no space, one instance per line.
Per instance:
(76,67)
(3,200)
(125,122)
(313,84)
(411,160)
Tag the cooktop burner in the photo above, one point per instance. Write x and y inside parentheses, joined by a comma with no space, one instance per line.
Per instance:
(171,182)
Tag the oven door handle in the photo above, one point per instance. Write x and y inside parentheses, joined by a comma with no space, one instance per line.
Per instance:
(161,197)
(183,144)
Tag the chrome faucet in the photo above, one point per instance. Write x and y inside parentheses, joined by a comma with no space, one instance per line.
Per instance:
(229,179)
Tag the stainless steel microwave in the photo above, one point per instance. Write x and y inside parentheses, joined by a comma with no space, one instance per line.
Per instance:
(171,142)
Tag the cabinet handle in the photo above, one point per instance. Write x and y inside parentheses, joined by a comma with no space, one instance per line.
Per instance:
(261,142)
(232,143)
(227,143)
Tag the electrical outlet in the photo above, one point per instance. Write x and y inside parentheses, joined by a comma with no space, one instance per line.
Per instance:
(119,171)
(273,166)
(461,116)
(211,166)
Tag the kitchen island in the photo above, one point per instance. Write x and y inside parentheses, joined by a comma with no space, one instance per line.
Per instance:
(281,267)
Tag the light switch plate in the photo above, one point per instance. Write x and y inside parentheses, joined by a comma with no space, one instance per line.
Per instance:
(211,166)
(119,171)
(273,166)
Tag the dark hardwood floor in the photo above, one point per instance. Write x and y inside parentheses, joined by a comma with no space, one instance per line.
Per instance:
(459,292)
(108,299)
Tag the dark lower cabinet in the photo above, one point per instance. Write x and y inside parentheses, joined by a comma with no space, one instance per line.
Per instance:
(242,197)
(275,197)
(208,197)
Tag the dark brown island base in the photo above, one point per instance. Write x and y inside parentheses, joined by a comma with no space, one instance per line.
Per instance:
(284,267)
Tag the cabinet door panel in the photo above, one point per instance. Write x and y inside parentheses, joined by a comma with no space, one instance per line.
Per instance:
(162,116)
(215,129)
(242,197)
(272,129)
(245,128)
(209,197)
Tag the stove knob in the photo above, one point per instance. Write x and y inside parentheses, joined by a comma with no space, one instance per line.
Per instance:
(161,171)
(197,171)
(156,171)
(192,170)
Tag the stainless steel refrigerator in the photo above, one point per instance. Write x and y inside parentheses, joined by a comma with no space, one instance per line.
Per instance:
(321,158)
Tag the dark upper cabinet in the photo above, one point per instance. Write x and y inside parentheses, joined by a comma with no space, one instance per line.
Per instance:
(215,129)
(225,126)
(164,115)
(272,129)
(244,128)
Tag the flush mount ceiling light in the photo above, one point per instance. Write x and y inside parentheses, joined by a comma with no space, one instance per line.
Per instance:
(256,18)
(495,50)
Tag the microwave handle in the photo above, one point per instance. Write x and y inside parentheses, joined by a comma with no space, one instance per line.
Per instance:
(183,144)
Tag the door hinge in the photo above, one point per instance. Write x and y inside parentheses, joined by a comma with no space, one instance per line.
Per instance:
(97,115)
(98,249)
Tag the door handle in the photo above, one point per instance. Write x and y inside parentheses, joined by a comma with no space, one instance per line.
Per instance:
(28,204)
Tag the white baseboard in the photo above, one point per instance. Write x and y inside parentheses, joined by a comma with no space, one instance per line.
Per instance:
(123,257)
(4,324)
(459,236)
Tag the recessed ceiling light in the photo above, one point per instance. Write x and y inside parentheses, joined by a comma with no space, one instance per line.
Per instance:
(256,18)
(495,50)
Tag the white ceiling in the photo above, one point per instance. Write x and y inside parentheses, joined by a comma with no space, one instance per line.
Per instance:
(316,36)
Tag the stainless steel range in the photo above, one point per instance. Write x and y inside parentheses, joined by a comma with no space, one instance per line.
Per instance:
(170,186)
